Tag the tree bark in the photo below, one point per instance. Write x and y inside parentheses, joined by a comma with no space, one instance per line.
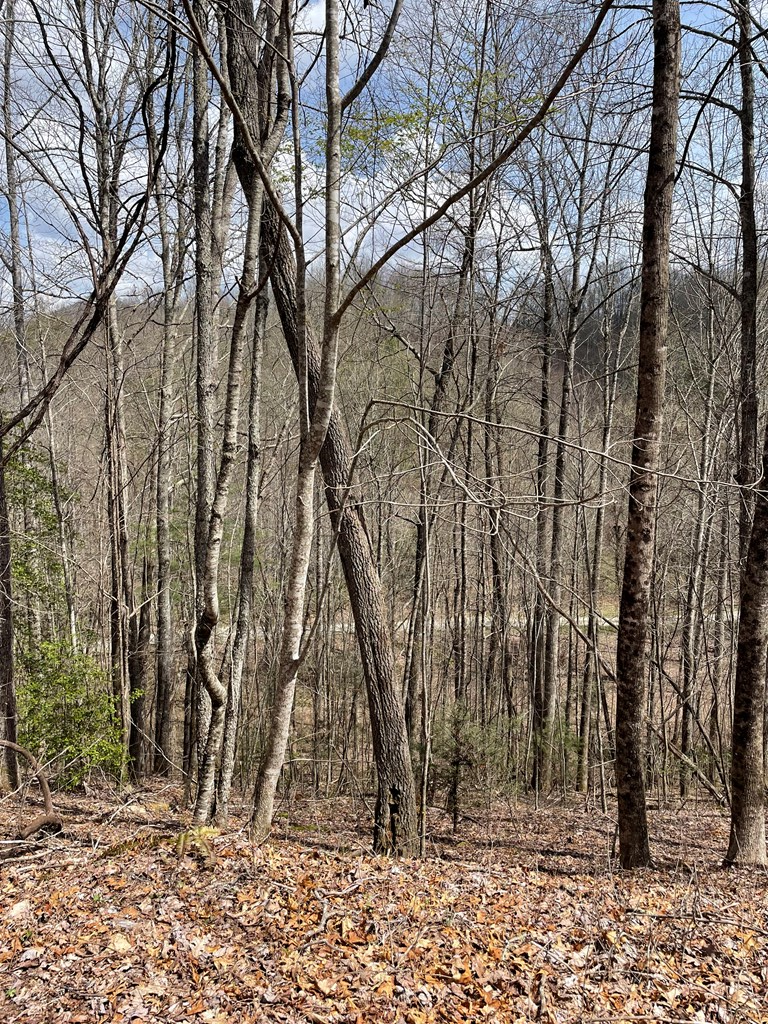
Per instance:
(748,398)
(247,563)
(631,654)
(139,672)
(173,261)
(395,824)
(7,689)
(216,689)
(747,838)
(206,378)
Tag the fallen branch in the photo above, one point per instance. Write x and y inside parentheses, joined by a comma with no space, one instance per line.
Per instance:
(50,818)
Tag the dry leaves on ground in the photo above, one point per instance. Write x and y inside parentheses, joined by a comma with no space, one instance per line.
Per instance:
(521,917)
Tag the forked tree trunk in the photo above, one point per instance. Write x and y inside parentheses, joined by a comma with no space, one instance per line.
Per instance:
(216,688)
(314,418)
(247,563)
(395,824)
(631,653)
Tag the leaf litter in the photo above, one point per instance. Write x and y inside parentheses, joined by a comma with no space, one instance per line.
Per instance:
(132,915)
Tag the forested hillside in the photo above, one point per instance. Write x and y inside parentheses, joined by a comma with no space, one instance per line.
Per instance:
(381,407)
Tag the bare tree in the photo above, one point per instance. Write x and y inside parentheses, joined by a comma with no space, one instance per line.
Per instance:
(631,658)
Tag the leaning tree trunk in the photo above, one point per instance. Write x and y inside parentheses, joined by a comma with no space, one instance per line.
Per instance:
(396,793)
(314,418)
(50,818)
(396,824)
(631,655)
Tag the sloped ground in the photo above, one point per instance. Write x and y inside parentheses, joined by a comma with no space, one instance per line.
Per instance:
(521,917)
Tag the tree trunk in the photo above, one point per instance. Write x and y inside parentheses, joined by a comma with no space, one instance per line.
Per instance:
(697,573)
(7,689)
(206,349)
(396,793)
(631,654)
(538,637)
(140,668)
(123,621)
(314,418)
(747,839)
(217,690)
(173,261)
(396,823)
(13,199)
(247,562)
(594,569)
(748,398)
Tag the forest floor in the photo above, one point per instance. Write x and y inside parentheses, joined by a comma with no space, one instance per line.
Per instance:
(520,916)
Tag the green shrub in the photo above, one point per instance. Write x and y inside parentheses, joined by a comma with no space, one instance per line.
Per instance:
(67,714)
(480,755)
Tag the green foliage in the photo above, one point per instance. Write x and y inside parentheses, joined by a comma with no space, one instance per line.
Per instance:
(480,755)
(67,714)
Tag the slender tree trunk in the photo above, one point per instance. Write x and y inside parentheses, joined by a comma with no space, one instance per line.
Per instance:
(539,623)
(173,264)
(247,562)
(314,430)
(442,379)
(140,672)
(216,689)
(396,791)
(497,662)
(747,839)
(748,398)
(122,612)
(554,576)
(12,195)
(631,654)
(696,578)
(62,530)
(165,641)
(7,687)
(206,378)
(592,662)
